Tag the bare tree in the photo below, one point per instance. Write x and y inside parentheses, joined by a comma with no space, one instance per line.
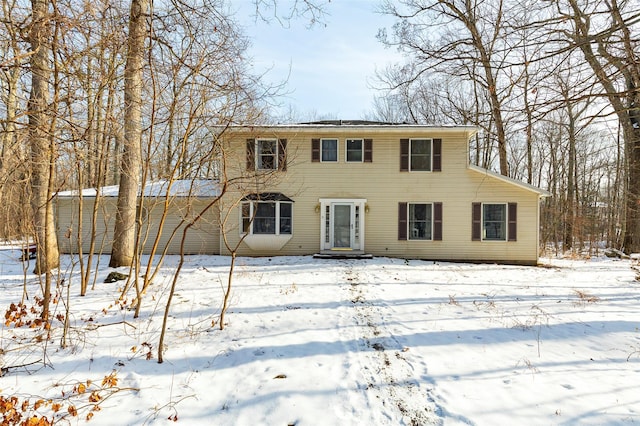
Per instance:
(14,152)
(124,236)
(43,148)
(461,39)
(603,32)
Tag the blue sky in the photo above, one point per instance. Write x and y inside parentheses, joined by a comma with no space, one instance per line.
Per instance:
(330,67)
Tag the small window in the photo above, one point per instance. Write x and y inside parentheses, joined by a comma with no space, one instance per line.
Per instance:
(246,217)
(420,221)
(420,154)
(329,150)
(494,222)
(354,150)
(266,154)
(267,218)
(285,218)
(327,223)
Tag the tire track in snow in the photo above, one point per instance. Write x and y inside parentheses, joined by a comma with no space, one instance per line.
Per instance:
(388,374)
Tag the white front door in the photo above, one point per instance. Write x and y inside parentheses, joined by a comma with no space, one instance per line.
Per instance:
(342,224)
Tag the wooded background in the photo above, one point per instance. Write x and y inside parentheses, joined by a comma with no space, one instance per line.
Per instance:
(98,93)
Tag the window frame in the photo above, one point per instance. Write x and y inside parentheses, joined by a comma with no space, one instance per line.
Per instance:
(322,150)
(347,150)
(248,211)
(259,155)
(504,223)
(430,223)
(429,155)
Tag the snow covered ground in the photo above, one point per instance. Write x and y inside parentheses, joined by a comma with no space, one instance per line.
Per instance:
(327,342)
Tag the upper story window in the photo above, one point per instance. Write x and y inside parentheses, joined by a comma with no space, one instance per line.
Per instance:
(421,154)
(354,149)
(494,221)
(329,150)
(267,154)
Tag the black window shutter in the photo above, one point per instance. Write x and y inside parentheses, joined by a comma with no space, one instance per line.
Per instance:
(282,155)
(251,154)
(368,150)
(437,221)
(476,221)
(404,155)
(402,221)
(315,150)
(437,155)
(512,216)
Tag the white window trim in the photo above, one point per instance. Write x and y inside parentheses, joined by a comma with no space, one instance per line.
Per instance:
(337,150)
(506,223)
(409,233)
(430,155)
(346,158)
(257,154)
(251,216)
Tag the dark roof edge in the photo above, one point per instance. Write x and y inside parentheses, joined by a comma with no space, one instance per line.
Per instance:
(352,123)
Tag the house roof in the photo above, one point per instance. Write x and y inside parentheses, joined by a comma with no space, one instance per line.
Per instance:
(352,123)
(355,126)
(507,179)
(202,188)
(267,196)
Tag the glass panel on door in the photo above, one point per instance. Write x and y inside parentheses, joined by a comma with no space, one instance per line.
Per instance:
(342,226)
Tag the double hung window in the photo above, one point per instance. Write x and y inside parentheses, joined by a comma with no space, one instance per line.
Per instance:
(420,155)
(420,221)
(354,148)
(267,154)
(329,150)
(494,221)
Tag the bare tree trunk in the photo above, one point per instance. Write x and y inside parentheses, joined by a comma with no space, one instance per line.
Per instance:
(631,242)
(570,213)
(42,147)
(528,110)
(42,151)
(124,235)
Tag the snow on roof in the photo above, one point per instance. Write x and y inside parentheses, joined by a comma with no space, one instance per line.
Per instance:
(179,188)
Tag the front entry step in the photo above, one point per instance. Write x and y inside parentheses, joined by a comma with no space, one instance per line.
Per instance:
(342,254)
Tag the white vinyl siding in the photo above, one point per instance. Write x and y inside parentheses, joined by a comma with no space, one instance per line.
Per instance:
(203,238)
